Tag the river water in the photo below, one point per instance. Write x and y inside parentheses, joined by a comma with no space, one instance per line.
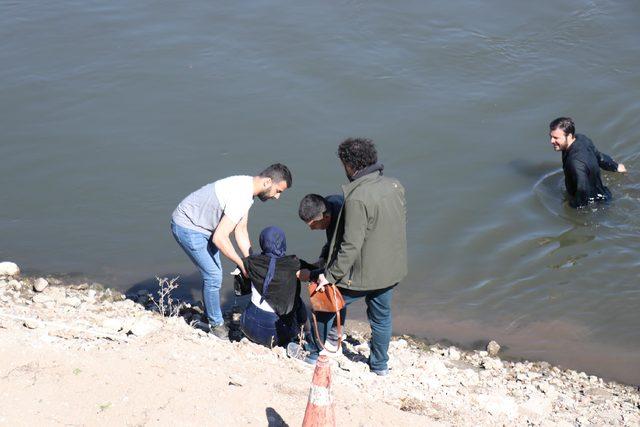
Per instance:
(112,112)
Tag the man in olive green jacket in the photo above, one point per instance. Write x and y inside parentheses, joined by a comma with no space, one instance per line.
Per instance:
(368,251)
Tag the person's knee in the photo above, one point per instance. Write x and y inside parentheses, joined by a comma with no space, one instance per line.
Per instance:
(379,316)
(213,282)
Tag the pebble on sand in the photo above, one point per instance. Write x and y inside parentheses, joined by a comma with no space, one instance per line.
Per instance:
(41,298)
(454,354)
(40,284)
(144,327)
(493,348)
(32,323)
(9,268)
(114,325)
(73,301)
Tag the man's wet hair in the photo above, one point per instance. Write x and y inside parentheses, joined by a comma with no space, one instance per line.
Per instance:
(278,173)
(312,206)
(357,153)
(564,123)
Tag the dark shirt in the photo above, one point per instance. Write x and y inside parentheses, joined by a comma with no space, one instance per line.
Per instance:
(284,289)
(581,164)
(335,202)
(283,293)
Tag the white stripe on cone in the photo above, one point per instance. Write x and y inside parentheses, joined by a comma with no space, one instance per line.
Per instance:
(319,396)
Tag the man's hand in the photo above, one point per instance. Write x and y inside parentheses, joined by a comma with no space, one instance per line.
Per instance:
(240,271)
(621,168)
(322,281)
(243,271)
(304,274)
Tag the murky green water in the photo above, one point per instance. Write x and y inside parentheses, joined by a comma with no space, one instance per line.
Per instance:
(111,113)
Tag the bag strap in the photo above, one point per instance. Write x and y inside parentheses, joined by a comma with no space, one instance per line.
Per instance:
(339,327)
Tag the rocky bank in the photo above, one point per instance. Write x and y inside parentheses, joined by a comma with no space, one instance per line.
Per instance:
(83,354)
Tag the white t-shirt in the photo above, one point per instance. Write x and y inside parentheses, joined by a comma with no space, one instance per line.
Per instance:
(201,210)
(235,196)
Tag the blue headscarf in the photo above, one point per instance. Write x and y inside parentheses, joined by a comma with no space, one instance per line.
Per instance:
(273,244)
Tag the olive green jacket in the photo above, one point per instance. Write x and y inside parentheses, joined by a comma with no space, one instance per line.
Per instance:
(369,246)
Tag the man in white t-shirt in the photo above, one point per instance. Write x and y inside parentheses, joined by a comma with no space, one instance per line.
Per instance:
(204,220)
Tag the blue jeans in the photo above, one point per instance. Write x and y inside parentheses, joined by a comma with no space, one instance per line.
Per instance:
(269,329)
(205,255)
(379,314)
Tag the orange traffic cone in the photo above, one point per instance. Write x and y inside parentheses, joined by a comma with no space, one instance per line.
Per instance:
(320,411)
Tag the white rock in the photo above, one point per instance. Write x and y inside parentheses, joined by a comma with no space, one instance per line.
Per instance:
(437,368)
(14,284)
(32,323)
(549,390)
(470,377)
(40,284)
(485,375)
(3,283)
(493,348)
(430,382)
(280,352)
(91,294)
(490,363)
(498,405)
(398,344)
(454,354)
(41,298)
(536,409)
(582,421)
(113,325)
(237,380)
(362,348)
(50,305)
(9,269)
(144,327)
(73,301)
(126,304)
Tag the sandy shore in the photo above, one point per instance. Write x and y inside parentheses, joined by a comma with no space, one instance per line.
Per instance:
(85,355)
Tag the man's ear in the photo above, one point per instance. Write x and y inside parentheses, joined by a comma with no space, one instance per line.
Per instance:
(267,182)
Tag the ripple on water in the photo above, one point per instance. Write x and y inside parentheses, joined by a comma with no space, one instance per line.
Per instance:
(620,214)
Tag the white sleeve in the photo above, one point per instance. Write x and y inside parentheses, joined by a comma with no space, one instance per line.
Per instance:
(236,210)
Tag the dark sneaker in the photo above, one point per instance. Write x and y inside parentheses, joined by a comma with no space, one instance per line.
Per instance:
(221,331)
(199,324)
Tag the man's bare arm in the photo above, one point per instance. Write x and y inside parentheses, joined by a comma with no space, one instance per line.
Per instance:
(242,236)
(222,241)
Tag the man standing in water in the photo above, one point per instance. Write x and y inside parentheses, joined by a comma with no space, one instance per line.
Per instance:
(204,220)
(368,251)
(581,163)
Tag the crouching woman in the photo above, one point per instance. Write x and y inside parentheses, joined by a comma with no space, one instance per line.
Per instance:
(276,314)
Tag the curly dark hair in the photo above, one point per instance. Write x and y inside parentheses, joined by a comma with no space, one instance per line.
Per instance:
(357,153)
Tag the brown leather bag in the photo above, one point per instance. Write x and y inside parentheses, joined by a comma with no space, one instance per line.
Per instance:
(330,300)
